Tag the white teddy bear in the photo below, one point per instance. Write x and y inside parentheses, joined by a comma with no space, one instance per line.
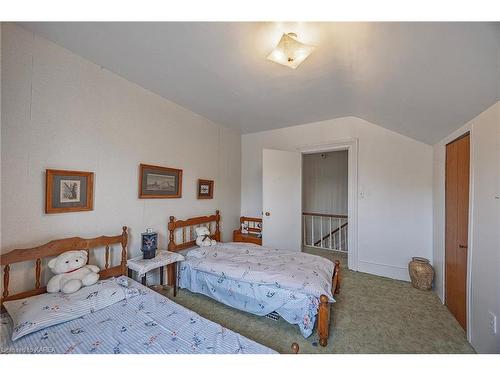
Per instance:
(71,272)
(203,237)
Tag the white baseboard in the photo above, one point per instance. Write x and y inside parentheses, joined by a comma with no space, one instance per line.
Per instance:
(393,272)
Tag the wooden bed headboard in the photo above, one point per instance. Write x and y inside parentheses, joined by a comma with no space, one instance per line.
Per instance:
(254,223)
(56,247)
(188,240)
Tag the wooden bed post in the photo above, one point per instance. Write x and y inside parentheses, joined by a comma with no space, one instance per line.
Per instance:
(6,270)
(171,228)
(323,320)
(124,250)
(324,307)
(217,226)
(171,247)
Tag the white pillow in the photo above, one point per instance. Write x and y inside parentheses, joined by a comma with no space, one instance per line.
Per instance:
(38,312)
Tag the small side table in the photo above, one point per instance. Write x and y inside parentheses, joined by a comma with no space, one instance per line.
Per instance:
(163,258)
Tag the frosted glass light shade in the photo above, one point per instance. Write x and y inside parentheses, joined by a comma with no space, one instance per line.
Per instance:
(290,52)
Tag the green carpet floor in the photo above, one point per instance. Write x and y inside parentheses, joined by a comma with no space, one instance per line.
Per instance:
(372,315)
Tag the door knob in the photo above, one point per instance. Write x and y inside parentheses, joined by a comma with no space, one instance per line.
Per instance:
(462,246)
(268,213)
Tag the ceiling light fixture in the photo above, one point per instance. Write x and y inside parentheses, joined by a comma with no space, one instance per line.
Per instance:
(290,52)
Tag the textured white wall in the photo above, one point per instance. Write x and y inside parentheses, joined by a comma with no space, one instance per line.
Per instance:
(484,241)
(394,175)
(61,111)
(485,257)
(324,183)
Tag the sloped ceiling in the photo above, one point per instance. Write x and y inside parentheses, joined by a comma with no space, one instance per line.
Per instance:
(423,80)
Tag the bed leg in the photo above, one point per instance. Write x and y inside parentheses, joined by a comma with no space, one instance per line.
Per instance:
(337,274)
(171,274)
(323,320)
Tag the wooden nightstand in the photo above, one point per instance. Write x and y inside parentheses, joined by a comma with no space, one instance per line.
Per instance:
(254,234)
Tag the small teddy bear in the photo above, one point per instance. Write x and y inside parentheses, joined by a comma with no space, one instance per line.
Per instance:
(71,272)
(203,237)
(244,228)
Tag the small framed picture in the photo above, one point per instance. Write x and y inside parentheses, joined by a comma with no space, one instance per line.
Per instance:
(159,182)
(205,189)
(68,191)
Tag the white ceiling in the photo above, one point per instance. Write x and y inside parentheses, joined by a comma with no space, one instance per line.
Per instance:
(423,80)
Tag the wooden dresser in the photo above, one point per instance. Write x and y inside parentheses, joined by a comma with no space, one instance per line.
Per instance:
(254,226)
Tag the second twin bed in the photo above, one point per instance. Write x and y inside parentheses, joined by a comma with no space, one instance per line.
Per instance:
(298,286)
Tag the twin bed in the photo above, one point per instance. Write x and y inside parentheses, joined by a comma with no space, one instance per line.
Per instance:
(142,322)
(298,286)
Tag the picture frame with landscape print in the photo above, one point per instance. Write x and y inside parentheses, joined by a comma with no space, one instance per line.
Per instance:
(159,182)
(205,189)
(68,191)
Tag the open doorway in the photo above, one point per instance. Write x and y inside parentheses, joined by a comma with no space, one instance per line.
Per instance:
(282,220)
(325,191)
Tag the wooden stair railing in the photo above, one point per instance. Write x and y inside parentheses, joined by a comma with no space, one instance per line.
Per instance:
(325,215)
(340,221)
(331,234)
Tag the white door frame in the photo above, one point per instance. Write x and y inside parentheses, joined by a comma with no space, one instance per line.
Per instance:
(351,145)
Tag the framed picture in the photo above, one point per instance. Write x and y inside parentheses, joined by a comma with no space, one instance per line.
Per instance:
(159,182)
(68,191)
(205,189)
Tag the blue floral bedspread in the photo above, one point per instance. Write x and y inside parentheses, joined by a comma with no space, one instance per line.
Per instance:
(260,280)
(147,323)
